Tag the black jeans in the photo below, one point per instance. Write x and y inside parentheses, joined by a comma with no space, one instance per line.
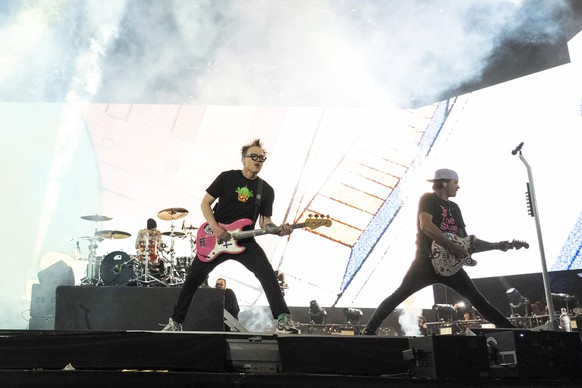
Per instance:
(420,275)
(253,258)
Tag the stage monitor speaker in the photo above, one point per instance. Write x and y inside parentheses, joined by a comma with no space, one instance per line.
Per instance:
(43,300)
(347,355)
(134,308)
(533,354)
(41,323)
(58,273)
(448,357)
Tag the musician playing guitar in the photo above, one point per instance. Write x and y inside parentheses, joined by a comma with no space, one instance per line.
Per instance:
(440,219)
(242,199)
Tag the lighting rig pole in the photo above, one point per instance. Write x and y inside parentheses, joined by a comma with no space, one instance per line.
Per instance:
(533,211)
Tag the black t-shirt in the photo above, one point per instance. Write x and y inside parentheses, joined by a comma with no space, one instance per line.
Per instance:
(230,303)
(446,215)
(237,196)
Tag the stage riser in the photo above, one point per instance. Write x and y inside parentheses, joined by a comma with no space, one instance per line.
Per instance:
(541,356)
(114,350)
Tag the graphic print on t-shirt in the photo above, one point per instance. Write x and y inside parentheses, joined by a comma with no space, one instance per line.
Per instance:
(243,194)
(448,223)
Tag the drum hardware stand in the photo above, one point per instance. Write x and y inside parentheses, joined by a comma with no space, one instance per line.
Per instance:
(92,274)
(92,277)
(145,279)
(552,324)
(173,278)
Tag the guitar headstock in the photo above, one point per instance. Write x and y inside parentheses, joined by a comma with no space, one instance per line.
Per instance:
(517,244)
(316,221)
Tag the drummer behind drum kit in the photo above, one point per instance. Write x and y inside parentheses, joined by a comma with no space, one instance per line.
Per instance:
(151,265)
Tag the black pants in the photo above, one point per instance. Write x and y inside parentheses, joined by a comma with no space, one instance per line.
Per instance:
(253,258)
(420,275)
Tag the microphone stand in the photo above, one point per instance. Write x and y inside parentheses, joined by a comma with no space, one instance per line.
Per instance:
(552,324)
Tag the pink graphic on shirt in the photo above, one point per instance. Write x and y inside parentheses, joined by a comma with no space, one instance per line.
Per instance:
(448,223)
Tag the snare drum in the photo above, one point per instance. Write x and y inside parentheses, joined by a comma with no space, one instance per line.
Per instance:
(151,252)
(116,269)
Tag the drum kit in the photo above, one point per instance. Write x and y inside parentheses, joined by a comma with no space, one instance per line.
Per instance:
(155,262)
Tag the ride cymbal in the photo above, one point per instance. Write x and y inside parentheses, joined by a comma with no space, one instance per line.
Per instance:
(113,234)
(173,213)
(178,234)
(96,217)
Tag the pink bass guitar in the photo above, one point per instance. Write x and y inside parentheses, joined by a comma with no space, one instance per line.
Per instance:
(208,246)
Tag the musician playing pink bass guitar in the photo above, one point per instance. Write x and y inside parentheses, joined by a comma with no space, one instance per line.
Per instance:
(438,217)
(239,195)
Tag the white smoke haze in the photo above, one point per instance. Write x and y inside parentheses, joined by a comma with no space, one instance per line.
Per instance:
(257,319)
(408,317)
(277,52)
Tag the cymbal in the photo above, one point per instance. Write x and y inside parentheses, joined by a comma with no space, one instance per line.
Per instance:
(173,213)
(96,217)
(114,234)
(178,234)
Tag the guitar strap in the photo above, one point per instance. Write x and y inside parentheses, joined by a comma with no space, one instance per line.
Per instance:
(258,197)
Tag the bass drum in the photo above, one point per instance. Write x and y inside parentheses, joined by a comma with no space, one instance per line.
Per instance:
(116,269)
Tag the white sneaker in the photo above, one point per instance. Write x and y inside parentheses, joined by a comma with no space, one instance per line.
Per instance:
(172,326)
(287,326)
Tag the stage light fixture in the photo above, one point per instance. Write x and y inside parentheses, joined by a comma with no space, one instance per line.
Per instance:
(516,300)
(445,312)
(353,316)
(562,299)
(317,313)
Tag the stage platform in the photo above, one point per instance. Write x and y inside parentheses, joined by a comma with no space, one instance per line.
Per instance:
(519,358)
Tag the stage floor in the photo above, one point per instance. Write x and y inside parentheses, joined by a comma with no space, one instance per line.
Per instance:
(153,358)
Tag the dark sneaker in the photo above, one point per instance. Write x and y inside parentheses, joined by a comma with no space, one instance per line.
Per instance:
(287,326)
(172,326)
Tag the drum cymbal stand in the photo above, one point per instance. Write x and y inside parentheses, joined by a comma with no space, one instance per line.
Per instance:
(145,278)
(173,278)
(92,277)
(191,230)
(93,261)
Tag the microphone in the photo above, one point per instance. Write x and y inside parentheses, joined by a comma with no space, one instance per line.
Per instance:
(517,149)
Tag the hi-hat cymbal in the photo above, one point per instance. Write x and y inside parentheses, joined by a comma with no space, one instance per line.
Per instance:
(114,234)
(173,213)
(96,217)
(178,234)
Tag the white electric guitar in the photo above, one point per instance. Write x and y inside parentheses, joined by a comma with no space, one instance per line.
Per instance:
(208,246)
(447,264)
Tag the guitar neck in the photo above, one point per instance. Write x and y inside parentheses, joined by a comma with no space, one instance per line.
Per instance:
(487,246)
(260,232)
